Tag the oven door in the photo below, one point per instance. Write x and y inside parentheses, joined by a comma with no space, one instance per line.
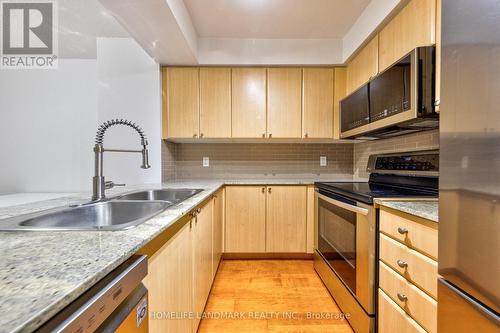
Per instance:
(345,239)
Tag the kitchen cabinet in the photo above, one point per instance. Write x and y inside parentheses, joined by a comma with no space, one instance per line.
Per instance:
(181,102)
(340,79)
(414,25)
(248,101)
(218,223)
(286,214)
(272,219)
(363,66)
(202,258)
(317,102)
(284,98)
(407,273)
(170,282)
(215,102)
(245,219)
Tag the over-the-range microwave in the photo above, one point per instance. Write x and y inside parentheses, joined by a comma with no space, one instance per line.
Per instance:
(397,101)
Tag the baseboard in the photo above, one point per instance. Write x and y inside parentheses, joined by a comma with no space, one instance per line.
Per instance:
(259,255)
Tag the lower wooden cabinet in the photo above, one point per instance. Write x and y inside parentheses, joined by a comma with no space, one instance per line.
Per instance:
(180,274)
(266,219)
(286,214)
(202,258)
(245,223)
(407,273)
(217,227)
(170,284)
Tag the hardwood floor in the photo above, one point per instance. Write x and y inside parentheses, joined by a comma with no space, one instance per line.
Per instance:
(270,296)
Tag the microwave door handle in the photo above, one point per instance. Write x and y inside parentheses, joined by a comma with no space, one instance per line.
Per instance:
(355,209)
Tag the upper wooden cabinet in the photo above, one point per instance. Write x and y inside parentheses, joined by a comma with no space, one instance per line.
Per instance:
(181,117)
(215,102)
(317,103)
(414,25)
(248,102)
(245,222)
(286,219)
(339,93)
(363,66)
(284,97)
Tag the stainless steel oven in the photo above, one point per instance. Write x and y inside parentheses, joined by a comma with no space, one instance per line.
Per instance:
(345,255)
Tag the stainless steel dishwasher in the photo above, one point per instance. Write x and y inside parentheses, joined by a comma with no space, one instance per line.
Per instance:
(117,303)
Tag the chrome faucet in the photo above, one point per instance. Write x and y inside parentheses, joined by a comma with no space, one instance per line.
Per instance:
(99,185)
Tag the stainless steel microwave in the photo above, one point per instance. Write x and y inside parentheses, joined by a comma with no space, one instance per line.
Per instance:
(398,101)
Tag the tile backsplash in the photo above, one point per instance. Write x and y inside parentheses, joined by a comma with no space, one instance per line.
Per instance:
(247,161)
(282,160)
(417,141)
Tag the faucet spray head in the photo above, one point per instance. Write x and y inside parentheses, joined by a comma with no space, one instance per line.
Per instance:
(145,154)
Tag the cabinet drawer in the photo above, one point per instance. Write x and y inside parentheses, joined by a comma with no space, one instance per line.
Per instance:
(414,266)
(391,318)
(421,235)
(412,300)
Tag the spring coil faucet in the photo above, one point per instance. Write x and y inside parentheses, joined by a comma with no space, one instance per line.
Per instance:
(99,185)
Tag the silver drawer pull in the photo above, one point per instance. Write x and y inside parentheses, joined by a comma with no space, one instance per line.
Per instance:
(402,297)
(402,230)
(402,264)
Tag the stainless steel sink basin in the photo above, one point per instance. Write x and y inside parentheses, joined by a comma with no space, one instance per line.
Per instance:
(172,195)
(109,215)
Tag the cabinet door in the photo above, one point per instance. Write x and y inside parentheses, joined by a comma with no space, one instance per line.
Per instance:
(169,282)
(284,98)
(339,93)
(202,258)
(317,102)
(245,223)
(181,103)
(248,102)
(414,26)
(215,102)
(286,219)
(363,66)
(217,229)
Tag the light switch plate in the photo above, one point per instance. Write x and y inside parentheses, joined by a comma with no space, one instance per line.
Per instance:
(322,161)
(206,162)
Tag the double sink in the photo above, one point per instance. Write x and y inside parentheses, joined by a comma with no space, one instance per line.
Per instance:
(117,213)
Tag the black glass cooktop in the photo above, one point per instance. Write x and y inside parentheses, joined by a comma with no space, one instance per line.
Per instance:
(382,187)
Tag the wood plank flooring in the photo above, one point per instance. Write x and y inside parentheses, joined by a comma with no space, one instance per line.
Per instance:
(270,296)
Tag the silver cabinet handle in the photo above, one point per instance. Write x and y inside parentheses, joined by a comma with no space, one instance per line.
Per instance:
(306,135)
(263,135)
(268,190)
(198,211)
(263,190)
(195,135)
(402,230)
(201,135)
(270,135)
(402,263)
(402,297)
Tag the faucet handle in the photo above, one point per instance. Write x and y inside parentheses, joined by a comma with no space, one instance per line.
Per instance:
(111,184)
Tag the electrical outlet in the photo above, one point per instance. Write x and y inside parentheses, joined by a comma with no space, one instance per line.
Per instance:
(322,161)
(206,162)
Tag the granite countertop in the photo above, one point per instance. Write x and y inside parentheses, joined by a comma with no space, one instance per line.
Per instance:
(42,272)
(426,209)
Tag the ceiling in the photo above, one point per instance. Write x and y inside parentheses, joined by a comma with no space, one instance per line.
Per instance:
(251,32)
(283,19)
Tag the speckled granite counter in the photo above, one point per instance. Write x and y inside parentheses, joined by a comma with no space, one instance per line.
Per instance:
(42,272)
(425,209)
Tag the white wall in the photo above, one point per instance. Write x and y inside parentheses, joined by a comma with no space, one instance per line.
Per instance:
(129,88)
(48,119)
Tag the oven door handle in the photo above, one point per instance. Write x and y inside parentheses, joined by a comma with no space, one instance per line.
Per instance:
(352,208)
